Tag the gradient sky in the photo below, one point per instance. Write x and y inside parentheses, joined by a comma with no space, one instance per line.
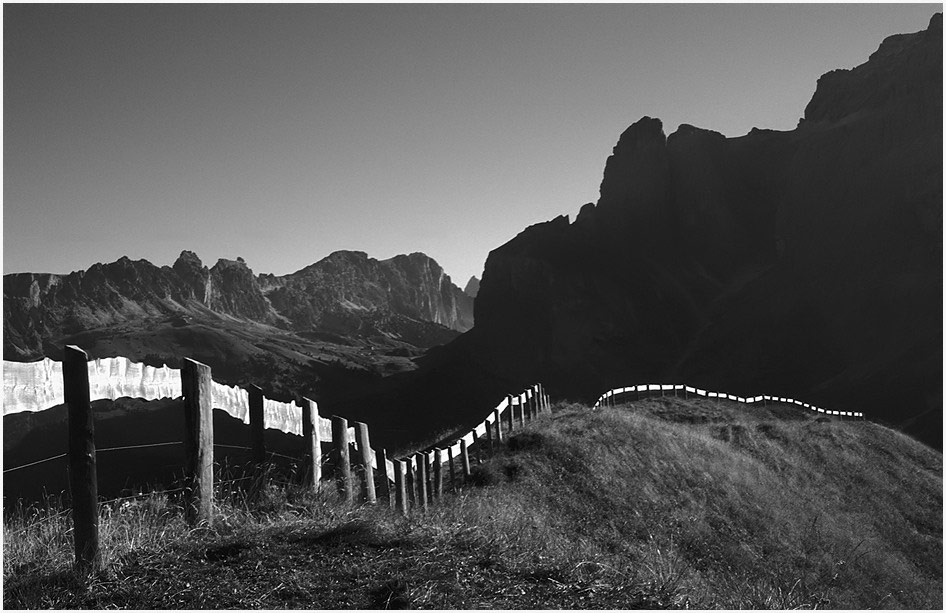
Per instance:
(283,133)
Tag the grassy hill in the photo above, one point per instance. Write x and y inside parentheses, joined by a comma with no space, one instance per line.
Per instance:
(660,503)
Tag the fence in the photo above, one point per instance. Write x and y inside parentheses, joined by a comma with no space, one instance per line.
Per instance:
(608,398)
(416,480)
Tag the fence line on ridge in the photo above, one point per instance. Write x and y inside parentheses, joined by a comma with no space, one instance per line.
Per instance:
(372,476)
(607,398)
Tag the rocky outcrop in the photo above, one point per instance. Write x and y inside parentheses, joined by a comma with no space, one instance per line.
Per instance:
(472,287)
(338,289)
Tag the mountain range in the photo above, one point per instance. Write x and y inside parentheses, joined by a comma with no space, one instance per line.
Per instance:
(344,317)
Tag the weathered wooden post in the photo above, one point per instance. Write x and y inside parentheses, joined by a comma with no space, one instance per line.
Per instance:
(489,435)
(385,485)
(421,479)
(522,411)
(509,411)
(400,485)
(453,474)
(341,459)
(312,442)
(410,480)
(196,388)
(473,443)
(465,459)
(364,458)
(438,474)
(83,482)
(429,467)
(257,444)
(499,427)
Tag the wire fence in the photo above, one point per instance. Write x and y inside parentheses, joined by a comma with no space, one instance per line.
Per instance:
(55,457)
(145,446)
(97,451)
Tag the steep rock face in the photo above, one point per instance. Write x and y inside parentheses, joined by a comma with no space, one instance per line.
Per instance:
(232,288)
(347,285)
(805,262)
(472,287)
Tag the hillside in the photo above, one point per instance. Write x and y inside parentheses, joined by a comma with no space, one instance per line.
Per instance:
(661,503)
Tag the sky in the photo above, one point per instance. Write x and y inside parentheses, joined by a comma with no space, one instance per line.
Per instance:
(280,134)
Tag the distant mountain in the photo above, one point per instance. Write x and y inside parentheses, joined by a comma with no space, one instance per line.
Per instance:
(336,293)
(320,330)
(347,293)
(805,263)
(472,287)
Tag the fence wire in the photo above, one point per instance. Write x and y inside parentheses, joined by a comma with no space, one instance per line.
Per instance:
(139,446)
(56,457)
(97,451)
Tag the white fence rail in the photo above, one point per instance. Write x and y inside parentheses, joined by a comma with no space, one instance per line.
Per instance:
(37,386)
(608,397)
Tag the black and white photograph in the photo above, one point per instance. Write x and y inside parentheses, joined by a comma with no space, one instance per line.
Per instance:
(456,306)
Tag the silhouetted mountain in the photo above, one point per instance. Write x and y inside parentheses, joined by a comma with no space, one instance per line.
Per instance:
(472,287)
(806,263)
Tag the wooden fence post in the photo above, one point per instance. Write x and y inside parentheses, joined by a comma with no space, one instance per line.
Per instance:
(257,443)
(489,435)
(364,453)
(522,413)
(83,482)
(509,409)
(385,488)
(465,459)
(438,474)
(453,474)
(499,427)
(476,439)
(312,441)
(429,467)
(400,485)
(421,479)
(341,458)
(410,480)
(196,388)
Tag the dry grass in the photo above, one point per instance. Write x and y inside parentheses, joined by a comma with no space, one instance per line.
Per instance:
(664,504)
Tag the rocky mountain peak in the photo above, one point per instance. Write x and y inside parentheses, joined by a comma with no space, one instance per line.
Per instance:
(904,73)
(472,287)
(636,176)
